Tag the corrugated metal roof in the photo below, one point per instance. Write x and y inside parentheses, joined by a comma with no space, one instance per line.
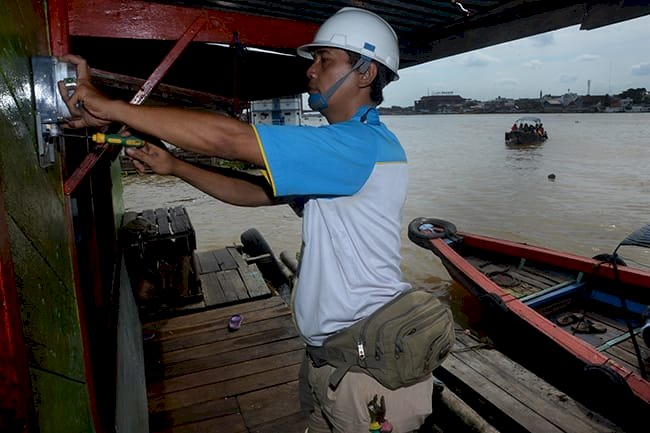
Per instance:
(139,33)
(434,29)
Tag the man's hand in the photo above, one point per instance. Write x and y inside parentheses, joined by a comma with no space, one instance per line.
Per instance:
(87,105)
(159,160)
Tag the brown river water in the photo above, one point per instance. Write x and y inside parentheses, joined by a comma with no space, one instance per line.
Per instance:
(461,171)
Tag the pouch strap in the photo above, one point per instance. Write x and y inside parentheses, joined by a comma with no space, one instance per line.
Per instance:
(341,360)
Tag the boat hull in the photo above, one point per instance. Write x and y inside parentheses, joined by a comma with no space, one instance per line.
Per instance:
(524,138)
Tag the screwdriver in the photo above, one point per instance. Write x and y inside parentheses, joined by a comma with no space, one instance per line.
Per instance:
(129,141)
(99,138)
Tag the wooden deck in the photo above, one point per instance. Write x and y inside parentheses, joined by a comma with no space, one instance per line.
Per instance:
(511,398)
(224,277)
(203,378)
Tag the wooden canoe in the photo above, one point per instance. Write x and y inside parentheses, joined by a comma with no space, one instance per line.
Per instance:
(564,316)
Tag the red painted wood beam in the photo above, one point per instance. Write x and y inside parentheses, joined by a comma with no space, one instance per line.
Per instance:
(148,20)
(16,395)
(58,25)
(167,91)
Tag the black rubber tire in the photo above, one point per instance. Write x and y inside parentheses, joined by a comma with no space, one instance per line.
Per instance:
(442,229)
(255,245)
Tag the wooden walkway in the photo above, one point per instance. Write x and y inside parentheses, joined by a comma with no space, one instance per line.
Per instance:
(204,379)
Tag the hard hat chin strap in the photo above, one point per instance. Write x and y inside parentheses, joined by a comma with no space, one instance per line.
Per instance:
(319,101)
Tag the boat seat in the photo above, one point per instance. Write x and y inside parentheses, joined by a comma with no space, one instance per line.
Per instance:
(542,297)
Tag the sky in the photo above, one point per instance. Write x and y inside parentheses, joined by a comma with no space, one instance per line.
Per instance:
(614,58)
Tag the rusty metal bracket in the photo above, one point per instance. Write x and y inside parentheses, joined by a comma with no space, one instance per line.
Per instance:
(154,79)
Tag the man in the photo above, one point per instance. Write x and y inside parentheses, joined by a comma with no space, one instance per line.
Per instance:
(351,177)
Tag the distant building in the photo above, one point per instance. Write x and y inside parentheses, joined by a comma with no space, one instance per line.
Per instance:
(440,103)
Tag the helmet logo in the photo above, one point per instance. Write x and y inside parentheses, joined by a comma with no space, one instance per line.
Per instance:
(367,54)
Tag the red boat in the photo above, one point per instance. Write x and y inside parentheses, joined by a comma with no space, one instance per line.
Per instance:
(581,323)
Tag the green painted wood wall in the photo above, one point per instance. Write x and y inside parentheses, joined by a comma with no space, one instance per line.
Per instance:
(39,239)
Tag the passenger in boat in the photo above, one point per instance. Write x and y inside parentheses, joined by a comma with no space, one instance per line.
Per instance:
(348,180)
(514,127)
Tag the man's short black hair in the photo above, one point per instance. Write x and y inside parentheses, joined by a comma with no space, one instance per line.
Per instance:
(384,76)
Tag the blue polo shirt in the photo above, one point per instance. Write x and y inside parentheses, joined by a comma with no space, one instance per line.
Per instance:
(354,177)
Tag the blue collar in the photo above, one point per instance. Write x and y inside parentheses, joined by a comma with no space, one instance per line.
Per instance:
(367,114)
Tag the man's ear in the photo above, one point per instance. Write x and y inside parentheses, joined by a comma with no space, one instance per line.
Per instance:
(366,78)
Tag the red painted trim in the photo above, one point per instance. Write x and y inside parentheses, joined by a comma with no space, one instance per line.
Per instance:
(58,24)
(149,20)
(557,258)
(15,382)
(84,168)
(580,349)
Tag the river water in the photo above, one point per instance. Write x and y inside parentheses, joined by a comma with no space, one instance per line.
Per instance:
(461,171)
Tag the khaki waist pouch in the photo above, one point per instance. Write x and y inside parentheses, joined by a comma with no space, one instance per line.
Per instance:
(399,345)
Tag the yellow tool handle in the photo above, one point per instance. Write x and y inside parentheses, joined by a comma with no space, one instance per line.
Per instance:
(130,141)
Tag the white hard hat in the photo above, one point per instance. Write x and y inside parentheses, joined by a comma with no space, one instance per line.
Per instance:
(359,31)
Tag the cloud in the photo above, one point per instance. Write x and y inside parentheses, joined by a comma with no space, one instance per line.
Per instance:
(587,58)
(532,64)
(641,69)
(565,78)
(478,60)
(543,40)
(507,82)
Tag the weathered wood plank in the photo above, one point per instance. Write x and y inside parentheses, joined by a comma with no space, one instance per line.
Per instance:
(230,424)
(268,405)
(293,423)
(179,220)
(497,400)
(254,322)
(163,222)
(213,292)
(175,325)
(528,401)
(255,284)
(235,288)
(206,262)
(225,260)
(259,351)
(215,348)
(226,372)
(192,414)
(237,257)
(227,388)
